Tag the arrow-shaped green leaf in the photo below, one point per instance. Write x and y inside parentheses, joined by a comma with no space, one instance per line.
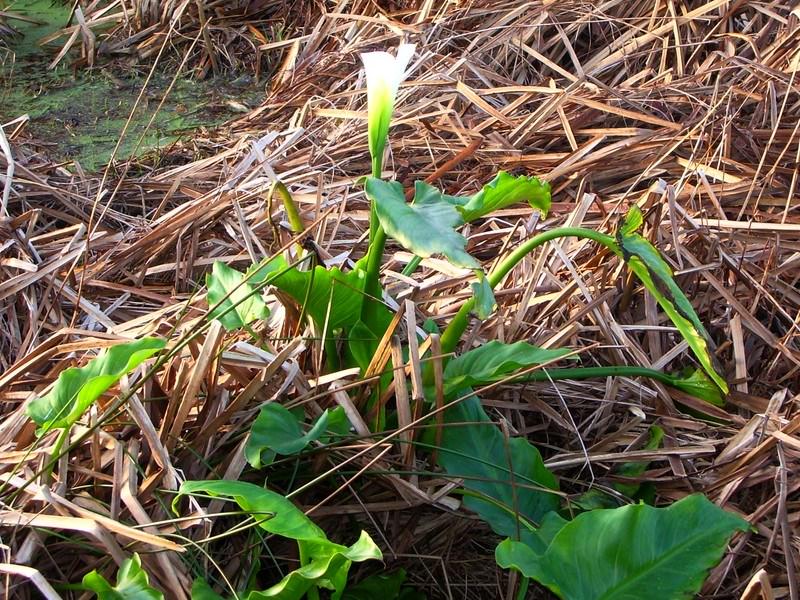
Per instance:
(646,263)
(78,387)
(424,227)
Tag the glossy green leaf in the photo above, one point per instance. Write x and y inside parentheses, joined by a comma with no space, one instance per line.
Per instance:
(328,568)
(132,583)
(652,270)
(696,383)
(634,469)
(78,387)
(277,430)
(425,193)
(505,190)
(592,499)
(275,513)
(485,302)
(629,553)
(383,586)
(425,227)
(506,481)
(502,191)
(549,527)
(338,426)
(362,343)
(327,563)
(494,361)
(327,295)
(634,219)
(234,302)
(202,591)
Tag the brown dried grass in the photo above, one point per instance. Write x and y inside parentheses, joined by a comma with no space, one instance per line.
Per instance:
(688,108)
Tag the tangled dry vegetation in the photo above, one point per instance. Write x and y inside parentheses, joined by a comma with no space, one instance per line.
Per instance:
(689,108)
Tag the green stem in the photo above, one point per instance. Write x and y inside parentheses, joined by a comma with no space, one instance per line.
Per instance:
(292,214)
(377,243)
(331,353)
(374,224)
(375,255)
(522,591)
(455,329)
(597,372)
(252,333)
(56,453)
(412,265)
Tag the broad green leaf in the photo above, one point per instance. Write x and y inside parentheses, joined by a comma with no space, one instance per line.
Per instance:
(646,263)
(696,383)
(424,227)
(362,343)
(492,362)
(592,499)
(425,193)
(234,301)
(334,300)
(506,481)
(629,553)
(541,537)
(328,568)
(78,387)
(385,586)
(485,302)
(132,583)
(505,190)
(633,221)
(202,591)
(634,469)
(502,191)
(275,513)
(327,295)
(429,326)
(277,430)
(338,426)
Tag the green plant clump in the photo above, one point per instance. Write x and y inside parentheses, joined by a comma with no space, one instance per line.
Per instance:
(603,552)
(629,551)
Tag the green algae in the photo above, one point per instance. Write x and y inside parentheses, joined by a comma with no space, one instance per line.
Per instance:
(49,17)
(79,115)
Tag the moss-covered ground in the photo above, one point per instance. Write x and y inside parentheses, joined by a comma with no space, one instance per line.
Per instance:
(79,114)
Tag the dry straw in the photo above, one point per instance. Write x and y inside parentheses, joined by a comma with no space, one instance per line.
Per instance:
(689,109)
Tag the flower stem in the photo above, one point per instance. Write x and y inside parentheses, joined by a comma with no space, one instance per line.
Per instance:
(452,334)
(377,243)
(292,214)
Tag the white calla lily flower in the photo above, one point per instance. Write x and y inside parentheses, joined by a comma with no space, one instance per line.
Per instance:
(385,73)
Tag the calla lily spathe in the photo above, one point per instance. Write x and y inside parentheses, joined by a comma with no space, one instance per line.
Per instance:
(384,75)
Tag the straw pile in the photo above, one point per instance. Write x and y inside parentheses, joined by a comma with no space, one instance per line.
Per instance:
(689,108)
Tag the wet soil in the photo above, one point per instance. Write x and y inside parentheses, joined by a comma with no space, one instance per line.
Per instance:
(80,114)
